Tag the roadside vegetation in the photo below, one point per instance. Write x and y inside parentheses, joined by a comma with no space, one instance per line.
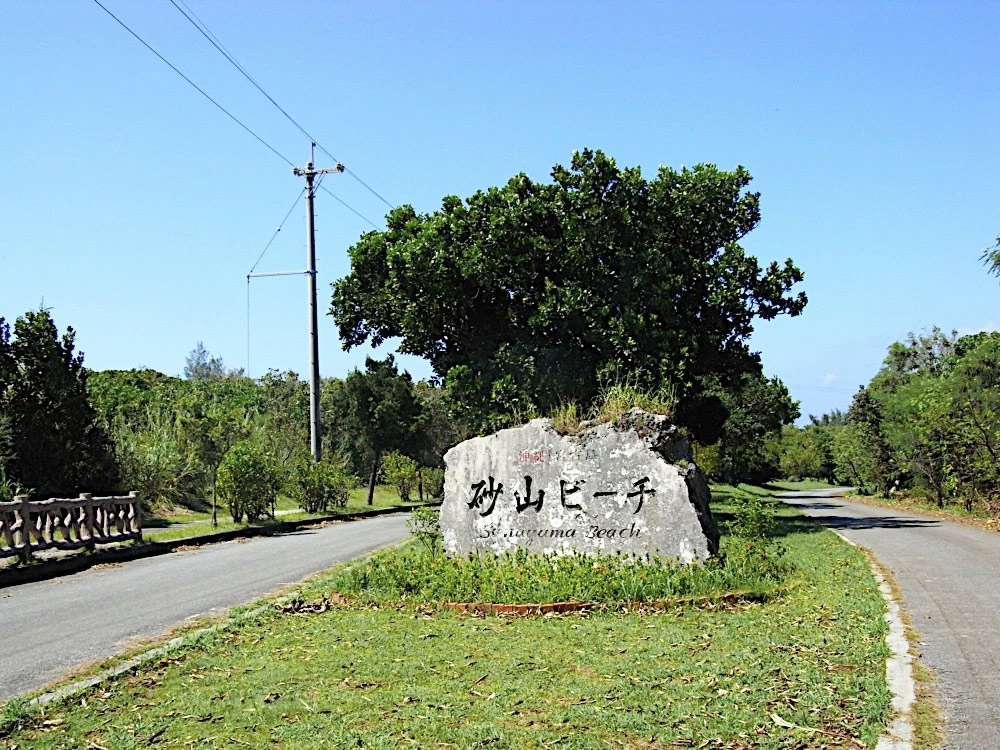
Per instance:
(923,434)
(187,525)
(214,443)
(349,660)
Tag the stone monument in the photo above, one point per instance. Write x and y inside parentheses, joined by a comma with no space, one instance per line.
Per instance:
(627,486)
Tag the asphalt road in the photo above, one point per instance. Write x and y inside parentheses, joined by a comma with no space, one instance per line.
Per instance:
(949,575)
(50,627)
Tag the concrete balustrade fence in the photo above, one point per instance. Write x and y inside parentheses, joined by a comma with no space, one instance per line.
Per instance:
(29,526)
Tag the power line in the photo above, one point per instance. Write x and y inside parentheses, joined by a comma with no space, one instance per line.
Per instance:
(197,88)
(214,41)
(226,111)
(292,208)
(349,208)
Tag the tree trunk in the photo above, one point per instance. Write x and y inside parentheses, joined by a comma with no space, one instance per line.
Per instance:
(371,480)
(215,520)
(420,484)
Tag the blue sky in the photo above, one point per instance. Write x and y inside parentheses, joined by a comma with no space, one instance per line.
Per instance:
(135,208)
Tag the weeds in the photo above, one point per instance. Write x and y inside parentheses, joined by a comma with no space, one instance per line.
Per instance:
(611,404)
(566,419)
(421,572)
(14,715)
(617,399)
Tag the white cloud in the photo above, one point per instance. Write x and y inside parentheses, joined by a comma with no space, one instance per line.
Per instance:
(829,379)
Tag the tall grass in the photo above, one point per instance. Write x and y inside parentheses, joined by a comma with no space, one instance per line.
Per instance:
(612,403)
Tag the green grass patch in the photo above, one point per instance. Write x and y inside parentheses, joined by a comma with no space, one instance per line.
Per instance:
(191,525)
(804,669)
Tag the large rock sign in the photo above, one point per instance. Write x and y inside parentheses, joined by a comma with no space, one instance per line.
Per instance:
(628,486)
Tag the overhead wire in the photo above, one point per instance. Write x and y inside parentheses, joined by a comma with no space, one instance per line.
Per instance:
(273,236)
(218,45)
(201,91)
(257,262)
(348,207)
(214,41)
(229,114)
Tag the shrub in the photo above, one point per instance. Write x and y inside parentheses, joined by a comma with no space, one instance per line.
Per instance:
(752,528)
(152,462)
(248,482)
(434,482)
(401,472)
(425,525)
(708,458)
(319,486)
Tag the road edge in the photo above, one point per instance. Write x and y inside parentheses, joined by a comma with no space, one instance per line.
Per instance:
(898,667)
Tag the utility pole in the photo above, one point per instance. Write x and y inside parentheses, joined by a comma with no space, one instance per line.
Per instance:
(310,173)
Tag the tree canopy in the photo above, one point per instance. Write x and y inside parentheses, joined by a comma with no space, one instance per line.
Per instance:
(528,295)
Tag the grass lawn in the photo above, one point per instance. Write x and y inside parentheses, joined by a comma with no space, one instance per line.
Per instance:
(801,669)
(161,528)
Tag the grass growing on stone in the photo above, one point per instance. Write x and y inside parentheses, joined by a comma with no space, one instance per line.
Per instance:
(802,669)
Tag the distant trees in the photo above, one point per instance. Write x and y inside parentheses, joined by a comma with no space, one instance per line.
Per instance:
(379,412)
(200,366)
(929,421)
(51,440)
(64,429)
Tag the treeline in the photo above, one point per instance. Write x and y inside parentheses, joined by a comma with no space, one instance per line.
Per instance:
(64,429)
(929,422)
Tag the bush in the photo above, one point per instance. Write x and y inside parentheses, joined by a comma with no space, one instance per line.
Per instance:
(319,486)
(434,482)
(401,472)
(752,528)
(425,525)
(248,481)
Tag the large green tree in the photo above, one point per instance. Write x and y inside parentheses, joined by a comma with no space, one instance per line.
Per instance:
(55,442)
(532,294)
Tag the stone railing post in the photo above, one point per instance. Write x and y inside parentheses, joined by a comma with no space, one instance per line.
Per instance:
(89,511)
(25,553)
(137,519)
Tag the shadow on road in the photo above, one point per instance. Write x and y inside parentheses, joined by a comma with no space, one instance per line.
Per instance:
(887,522)
(817,506)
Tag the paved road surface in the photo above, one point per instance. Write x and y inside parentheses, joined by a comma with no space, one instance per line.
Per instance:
(950,577)
(49,627)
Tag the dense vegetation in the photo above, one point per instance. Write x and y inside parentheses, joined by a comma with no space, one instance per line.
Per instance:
(184,442)
(51,438)
(929,422)
(527,296)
